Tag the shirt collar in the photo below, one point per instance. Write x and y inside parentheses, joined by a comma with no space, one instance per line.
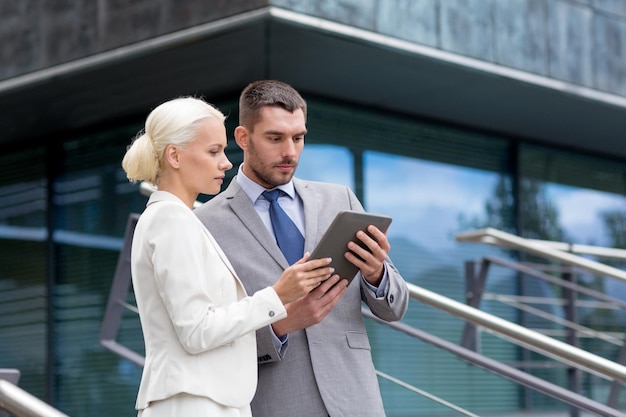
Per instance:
(254,190)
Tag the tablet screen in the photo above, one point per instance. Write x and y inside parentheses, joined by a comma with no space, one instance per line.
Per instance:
(342,230)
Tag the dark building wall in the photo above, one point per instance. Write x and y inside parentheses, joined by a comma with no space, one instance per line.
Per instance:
(37,34)
(577,41)
(545,70)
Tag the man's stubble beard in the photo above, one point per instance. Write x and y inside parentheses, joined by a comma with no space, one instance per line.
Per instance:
(268,180)
(272,180)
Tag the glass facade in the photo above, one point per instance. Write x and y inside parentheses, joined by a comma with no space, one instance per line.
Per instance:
(434,182)
(64,208)
(583,200)
(24,270)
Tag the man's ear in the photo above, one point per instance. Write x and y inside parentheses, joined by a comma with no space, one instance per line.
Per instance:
(172,156)
(241,137)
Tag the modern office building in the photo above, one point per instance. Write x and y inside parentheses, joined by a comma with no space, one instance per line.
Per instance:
(448,115)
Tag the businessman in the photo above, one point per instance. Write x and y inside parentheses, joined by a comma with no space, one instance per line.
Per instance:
(317,361)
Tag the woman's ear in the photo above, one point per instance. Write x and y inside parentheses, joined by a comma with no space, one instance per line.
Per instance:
(241,137)
(172,156)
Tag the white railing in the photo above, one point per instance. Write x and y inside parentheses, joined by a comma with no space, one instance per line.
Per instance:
(551,250)
(22,404)
(522,336)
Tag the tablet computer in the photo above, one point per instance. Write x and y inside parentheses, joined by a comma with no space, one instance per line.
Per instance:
(342,230)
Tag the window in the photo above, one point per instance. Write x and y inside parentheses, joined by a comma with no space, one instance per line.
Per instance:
(23,270)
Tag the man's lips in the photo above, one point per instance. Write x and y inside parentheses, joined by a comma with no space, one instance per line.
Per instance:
(285,168)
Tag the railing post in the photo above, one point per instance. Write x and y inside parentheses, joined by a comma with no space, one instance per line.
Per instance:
(469,338)
(474,289)
(120,288)
(616,385)
(574,375)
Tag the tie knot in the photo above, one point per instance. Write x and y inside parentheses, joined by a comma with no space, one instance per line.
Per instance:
(272,195)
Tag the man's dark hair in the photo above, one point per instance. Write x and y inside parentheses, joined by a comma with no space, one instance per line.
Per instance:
(259,94)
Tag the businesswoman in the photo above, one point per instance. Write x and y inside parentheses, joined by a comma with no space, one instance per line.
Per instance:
(197,320)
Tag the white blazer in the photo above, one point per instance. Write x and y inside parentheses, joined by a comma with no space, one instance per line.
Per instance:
(197,320)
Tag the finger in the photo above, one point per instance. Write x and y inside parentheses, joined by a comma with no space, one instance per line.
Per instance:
(359,263)
(375,249)
(359,251)
(317,263)
(304,258)
(373,242)
(326,285)
(333,294)
(368,267)
(313,281)
(375,232)
(321,273)
(380,237)
(321,278)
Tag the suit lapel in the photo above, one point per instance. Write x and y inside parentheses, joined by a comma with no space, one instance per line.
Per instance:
(244,210)
(310,202)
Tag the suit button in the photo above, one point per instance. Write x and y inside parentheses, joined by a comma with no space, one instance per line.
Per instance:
(391,299)
(271,314)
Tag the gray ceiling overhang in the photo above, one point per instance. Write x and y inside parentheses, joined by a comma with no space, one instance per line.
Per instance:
(319,58)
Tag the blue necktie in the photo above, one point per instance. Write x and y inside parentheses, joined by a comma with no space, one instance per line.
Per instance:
(289,239)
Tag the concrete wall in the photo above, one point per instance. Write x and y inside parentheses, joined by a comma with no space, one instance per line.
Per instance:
(578,41)
(36,34)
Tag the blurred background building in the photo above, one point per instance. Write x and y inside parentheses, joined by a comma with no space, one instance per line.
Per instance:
(448,115)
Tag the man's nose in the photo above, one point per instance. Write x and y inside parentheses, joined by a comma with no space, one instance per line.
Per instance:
(289,148)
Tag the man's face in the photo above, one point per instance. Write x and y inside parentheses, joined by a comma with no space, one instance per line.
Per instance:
(272,150)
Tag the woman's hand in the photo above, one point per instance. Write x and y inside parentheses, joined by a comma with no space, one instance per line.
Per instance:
(302,277)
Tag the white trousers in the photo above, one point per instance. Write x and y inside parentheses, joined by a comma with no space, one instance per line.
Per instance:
(185,405)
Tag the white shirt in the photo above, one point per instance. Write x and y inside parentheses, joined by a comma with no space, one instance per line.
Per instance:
(291,203)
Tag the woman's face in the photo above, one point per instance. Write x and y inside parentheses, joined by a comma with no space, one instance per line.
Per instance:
(203,161)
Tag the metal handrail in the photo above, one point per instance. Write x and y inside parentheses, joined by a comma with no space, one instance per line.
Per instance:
(501,369)
(564,254)
(541,248)
(522,336)
(600,251)
(582,330)
(22,404)
(425,394)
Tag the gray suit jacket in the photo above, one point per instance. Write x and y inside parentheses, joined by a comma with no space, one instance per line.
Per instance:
(327,368)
